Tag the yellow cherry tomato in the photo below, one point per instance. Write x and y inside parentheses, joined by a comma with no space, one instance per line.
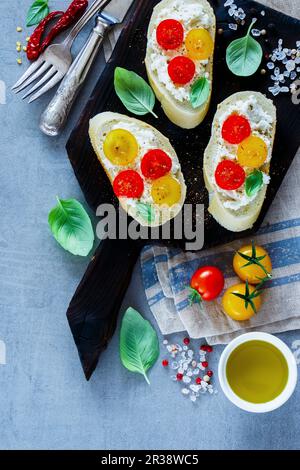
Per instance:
(199,44)
(166,190)
(235,307)
(120,147)
(254,272)
(252,152)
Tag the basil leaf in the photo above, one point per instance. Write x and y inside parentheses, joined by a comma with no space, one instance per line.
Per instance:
(146,211)
(71,227)
(136,95)
(200,92)
(37,12)
(244,55)
(139,347)
(254,182)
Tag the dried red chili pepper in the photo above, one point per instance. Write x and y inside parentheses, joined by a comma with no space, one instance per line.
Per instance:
(73,13)
(34,44)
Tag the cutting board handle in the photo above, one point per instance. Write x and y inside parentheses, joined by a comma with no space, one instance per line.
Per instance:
(94,308)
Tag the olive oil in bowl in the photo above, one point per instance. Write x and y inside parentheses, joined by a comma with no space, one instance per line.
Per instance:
(257,371)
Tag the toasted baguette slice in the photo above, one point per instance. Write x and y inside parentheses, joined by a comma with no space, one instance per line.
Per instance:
(180,113)
(104,123)
(246,216)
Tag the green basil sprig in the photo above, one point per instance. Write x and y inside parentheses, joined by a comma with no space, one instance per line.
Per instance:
(146,211)
(244,55)
(134,92)
(37,12)
(199,92)
(139,347)
(72,227)
(254,182)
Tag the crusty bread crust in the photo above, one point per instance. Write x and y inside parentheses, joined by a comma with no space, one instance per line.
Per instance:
(97,124)
(181,114)
(233,220)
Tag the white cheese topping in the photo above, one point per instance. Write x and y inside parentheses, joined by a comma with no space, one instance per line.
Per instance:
(261,125)
(191,15)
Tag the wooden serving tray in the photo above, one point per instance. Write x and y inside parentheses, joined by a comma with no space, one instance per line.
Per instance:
(93,310)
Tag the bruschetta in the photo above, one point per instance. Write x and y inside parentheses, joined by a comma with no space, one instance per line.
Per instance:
(237,159)
(180,48)
(142,166)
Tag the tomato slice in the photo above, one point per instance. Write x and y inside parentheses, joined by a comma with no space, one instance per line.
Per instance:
(229,175)
(181,70)
(170,34)
(128,183)
(156,163)
(235,129)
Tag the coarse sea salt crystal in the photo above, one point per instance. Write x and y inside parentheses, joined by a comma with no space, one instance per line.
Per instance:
(195,388)
(165,341)
(196,371)
(284,89)
(185,391)
(174,365)
(255,32)
(230,12)
(270,65)
(293,75)
(185,348)
(228,3)
(186,379)
(233,26)
(290,65)
(193,397)
(275,90)
(263,13)
(298,44)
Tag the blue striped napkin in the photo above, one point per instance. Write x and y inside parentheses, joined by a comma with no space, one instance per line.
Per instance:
(167,272)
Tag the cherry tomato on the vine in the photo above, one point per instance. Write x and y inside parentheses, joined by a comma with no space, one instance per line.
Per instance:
(235,129)
(128,183)
(229,175)
(155,164)
(207,283)
(170,34)
(181,70)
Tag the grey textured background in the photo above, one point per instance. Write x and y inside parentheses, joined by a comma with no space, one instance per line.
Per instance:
(45,402)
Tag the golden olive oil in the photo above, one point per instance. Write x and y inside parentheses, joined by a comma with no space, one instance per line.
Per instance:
(257,371)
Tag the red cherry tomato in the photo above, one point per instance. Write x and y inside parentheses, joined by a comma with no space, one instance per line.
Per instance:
(229,175)
(170,34)
(207,283)
(155,164)
(128,183)
(236,129)
(181,70)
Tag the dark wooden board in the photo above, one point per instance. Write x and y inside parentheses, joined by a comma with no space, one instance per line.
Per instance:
(190,145)
(93,311)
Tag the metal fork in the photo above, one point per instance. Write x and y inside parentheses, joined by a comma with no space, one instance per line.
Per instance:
(54,63)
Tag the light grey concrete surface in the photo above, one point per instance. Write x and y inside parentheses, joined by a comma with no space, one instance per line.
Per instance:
(45,402)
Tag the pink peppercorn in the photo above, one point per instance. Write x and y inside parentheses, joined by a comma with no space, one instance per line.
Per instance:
(165,363)
(209,348)
(186,341)
(198,380)
(205,364)
(179,376)
(210,373)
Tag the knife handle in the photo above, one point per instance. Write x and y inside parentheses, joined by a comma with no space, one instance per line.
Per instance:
(56,114)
